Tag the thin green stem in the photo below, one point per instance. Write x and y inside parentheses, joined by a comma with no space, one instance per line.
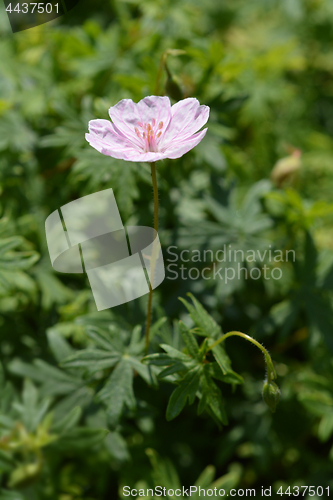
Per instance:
(154,253)
(159,74)
(271,373)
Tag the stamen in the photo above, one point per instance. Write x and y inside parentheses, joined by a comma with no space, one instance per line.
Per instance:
(149,134)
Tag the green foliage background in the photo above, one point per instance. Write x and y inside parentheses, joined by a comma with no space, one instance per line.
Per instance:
(80,414)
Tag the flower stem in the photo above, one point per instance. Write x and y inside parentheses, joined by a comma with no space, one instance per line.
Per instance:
(159,74)
(150,298)
(271,373)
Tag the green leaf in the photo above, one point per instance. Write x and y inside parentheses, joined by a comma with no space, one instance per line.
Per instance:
(18,367)
(105,171)
(206,324)
(206,477)
(53,291)
(175,354)
(157,326)
(18,261)
(229,480)
(190,341)
(81,397)
(30,400)
(170,370)
(15,133)
(58,345)
(164,473)
(229,377)
(68,421)
(10,243)
(203,350)
(53,380)
(105,340)
(81,438)
(117,447)
(6,461)
(118,391)
(325,429)
(32,410)
(213,397)
(91,359)
(141,369)
(159,359)
(187,389)
(317,402)
(221,357)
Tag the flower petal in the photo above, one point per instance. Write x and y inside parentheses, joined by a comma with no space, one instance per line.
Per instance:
(155,107)
(146,157)
(121,140)
(105,131)
(187,118)
(108,149)
(127,115)
(178,149)
(128,153)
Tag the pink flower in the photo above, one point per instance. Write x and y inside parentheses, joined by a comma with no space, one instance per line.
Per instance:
(149,130)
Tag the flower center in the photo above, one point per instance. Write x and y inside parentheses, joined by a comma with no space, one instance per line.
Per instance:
(149,134)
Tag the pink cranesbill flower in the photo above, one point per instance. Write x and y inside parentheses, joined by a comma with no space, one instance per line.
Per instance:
(149,130)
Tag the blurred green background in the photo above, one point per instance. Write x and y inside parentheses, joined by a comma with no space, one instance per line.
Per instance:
(265,68)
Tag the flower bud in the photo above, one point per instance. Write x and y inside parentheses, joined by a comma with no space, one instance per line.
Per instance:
(271,395)
(173,88)
(172,85)
(286,168)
